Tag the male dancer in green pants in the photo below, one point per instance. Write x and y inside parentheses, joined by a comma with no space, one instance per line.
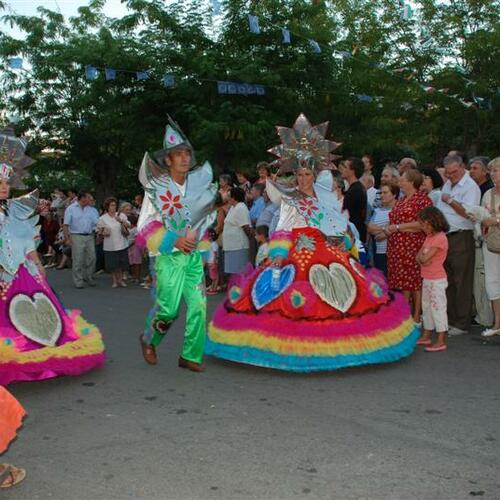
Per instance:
(177,209)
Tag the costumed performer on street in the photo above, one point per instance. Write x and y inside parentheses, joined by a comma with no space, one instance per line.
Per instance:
(314,307)
(177,210)
(39,339)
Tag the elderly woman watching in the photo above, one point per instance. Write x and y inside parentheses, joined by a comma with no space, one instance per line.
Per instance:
(225,182)
(491,202)
(126,208)
(390,175)
(405,237)
(114,229)
(389,194)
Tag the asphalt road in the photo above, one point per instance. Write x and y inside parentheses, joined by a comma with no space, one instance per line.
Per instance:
(424,428)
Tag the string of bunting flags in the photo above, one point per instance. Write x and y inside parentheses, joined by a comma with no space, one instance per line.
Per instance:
(407,14)
(92,73)
(247,89)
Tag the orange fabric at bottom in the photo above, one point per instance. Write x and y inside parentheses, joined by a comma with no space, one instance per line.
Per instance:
(11,418)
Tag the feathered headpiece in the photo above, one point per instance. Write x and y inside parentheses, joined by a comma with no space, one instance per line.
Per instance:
(304,146)
(13,161)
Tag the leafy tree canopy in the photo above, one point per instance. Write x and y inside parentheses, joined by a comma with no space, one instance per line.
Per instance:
(101,128)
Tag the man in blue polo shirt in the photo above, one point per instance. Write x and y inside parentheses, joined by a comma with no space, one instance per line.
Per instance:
(80,221)
(258,203)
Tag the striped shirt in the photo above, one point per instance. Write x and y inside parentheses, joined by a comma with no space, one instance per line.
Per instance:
(380,217)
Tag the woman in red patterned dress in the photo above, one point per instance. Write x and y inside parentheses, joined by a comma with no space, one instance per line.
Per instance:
(405,237)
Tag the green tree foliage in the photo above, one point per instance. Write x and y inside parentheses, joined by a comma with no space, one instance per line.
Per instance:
(102,128)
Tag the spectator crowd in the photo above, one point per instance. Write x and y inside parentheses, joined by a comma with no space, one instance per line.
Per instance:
(434,231)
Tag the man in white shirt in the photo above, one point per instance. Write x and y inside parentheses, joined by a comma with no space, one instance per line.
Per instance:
(371,191)
(458,191)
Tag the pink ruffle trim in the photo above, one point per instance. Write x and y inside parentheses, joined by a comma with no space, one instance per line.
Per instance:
(388,317)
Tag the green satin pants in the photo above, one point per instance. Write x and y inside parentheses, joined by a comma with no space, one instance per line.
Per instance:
(179,275)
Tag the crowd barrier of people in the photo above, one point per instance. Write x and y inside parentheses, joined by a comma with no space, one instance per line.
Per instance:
(425,228)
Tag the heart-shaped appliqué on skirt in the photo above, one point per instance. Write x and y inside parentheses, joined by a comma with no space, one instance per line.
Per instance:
(36,318)
(263,291)
(335,285)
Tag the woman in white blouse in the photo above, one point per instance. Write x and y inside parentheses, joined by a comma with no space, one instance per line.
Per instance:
(237,233)
(114,228)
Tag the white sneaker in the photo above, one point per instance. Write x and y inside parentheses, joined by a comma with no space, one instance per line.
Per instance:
(453,331)
(490,332)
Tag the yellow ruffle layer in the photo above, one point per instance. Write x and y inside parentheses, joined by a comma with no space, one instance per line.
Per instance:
(90,342)
(353,345)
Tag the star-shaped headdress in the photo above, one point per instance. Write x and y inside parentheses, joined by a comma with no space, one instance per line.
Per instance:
(13,161)
(304,146)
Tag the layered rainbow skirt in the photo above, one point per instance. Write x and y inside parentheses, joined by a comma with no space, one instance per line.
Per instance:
(304,326)
(273,341)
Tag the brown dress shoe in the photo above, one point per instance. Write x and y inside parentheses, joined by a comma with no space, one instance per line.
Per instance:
(148,352)
(191,365)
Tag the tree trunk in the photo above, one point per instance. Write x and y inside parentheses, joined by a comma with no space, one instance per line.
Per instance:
(105,179)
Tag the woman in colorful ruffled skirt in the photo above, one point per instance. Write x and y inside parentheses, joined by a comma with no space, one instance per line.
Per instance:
(39,339)
(313,306)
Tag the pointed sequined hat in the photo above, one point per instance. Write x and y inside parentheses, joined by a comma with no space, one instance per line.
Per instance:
(174,138)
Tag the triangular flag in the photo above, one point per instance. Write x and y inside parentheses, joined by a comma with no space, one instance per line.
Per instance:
(315,46)
(110,73)
(364,98)
(15,63)
(222,87)
(242,89)
(169,80)
(286,35)
(215,7)
(467,104)
(407,13)
(90,72)
(253,23)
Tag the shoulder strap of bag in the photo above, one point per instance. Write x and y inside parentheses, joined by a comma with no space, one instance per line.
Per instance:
(493,210)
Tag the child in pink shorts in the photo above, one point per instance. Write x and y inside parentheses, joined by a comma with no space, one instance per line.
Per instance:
(431,258)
